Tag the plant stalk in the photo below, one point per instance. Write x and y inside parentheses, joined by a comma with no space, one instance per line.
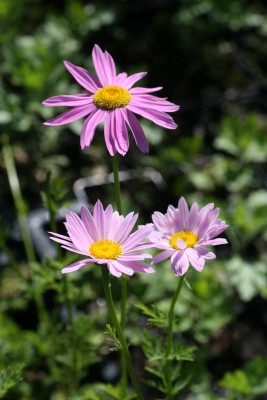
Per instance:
(18,201)
(170,338)
(123,281)
(124,346)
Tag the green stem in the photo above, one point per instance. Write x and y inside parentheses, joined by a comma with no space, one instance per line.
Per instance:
(19,202)
(53,225)
(71,326)
(170,338)
(123,281)
(117,183)
(113,317)
(44,320)
(52,213)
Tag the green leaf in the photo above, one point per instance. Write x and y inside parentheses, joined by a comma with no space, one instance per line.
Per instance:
(182,353)
(111,332)
(251,380)
(156,317)
(249,278)
(9,377)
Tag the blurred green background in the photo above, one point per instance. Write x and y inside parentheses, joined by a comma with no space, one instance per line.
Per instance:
(210,57)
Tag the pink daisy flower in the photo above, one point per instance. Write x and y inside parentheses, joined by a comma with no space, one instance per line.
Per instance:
(184,234)
(111,98)
(104,237)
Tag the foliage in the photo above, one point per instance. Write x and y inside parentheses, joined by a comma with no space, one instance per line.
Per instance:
(248,382)
(210,57)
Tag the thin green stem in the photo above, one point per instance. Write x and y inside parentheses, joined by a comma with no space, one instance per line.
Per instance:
(170,338)
(113,317)
(71,326)
(44,321)
(123,301)
(123,281)
(52,213)
(53,224)
(117,187)
(19,202)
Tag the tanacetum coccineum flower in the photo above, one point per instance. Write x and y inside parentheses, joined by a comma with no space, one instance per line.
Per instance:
(112,99)
(184,234)
(105,238)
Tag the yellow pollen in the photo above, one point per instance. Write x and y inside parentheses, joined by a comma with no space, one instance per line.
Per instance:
(105,249)
(190,239)
(111,97)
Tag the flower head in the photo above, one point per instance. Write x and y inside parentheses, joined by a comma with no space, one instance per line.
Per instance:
(111,98)
(184,234)
(105,238)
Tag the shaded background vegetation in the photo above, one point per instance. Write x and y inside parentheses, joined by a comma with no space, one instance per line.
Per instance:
(210,57)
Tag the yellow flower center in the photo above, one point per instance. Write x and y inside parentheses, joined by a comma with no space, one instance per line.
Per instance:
(105,249)
(190,239)
(111,97)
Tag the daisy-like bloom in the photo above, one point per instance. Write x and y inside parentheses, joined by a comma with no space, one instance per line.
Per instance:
(110,97)
(184,234)
(105,238)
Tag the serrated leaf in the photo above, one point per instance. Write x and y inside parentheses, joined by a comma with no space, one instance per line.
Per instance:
(182,353)
(111,332)
(9,377)
(181,385)
(248,277)
(156,317)
(155,372)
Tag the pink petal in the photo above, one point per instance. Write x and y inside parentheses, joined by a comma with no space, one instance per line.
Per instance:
(121,267)
(139,266)
(60,236)
(119,132)
(77,232)
(75,250)
(89,224)
(89,127)
(104,66)
(108,218)
(145,245)
(120,78)
(162,256)
(159,221)
(130,81)
(216,230)
(193,216)
(213,242)
(83,77)
(206,254)
(98,216)
(195,259)
(140,90)
(181,244)
(75,266)
(153,102)
(158,117)
(73,100)
(180,263)
(71,115)
(108,134)
(61,241)
(126,227)
(115,223)
(111,70)
(184,213)
(132,256)
(137,237)
(137,131)
(114,271)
